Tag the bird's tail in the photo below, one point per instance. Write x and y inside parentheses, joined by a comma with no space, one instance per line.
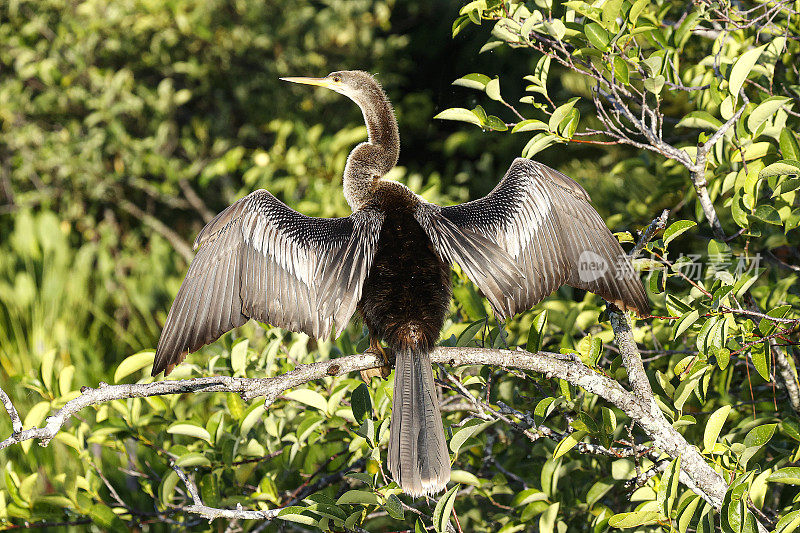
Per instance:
(418,457)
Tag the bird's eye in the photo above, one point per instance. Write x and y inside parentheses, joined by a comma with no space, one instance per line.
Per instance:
(336,78)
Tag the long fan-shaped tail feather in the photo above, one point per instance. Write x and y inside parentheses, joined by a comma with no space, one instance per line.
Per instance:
(418,457)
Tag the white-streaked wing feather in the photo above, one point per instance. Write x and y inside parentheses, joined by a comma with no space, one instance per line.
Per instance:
(541,222)
(260,259)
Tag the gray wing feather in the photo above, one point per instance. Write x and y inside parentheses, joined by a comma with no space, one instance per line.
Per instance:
(544,222)
(260,259)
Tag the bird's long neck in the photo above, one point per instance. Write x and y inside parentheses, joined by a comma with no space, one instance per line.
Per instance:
(371,160)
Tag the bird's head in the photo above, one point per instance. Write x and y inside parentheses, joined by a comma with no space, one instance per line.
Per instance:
(357,85)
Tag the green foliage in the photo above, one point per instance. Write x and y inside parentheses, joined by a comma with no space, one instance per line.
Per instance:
(110,107)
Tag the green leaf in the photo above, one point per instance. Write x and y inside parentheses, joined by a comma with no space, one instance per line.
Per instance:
(621,70)
(668,488)
(167,488)
(254,413)
(636,10)
(362,497)
(676,228)
(706,523)
(394,507)
(473,81)
(741,69)
(635,519)
(714,426)
(493,89)
(609,421)
(495,123)
(293,514)
(568,442)
(759,358)
(701,119)
(555,28)
(309,397)
(470,429)
(361,403)
(751,152)
(65,380)
(791,428)
(687,513)
(764,111)
(547,520)
(36,415)
(536,333)
(560,114)
(465,478)
(133,364)
(783,167)
(46,368)
(789,476)
(768,214)
(723,356)
(597,491)
(529,125)
(759,436)
(469,333)
(788,144)
(459,114)
(444,507)
(543,409)
(103,516)
(527,496)
(655,84)
(365,478)
(749,525)
(539,142)
(190,430)
(239,357)
(684,322)
(788,522)
(192,459)
(596,35)
(755,439)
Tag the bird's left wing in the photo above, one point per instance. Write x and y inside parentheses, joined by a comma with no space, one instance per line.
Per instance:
(537,222)
(261,259)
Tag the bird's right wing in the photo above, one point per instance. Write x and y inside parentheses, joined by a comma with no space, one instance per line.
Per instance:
(261,259)
(537,222)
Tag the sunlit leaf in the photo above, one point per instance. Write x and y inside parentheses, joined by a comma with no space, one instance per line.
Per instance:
(459,114)
(742,67)
(443,510)
(133,364)
(714,426)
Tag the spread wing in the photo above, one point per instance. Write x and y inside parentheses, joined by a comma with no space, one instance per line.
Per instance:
(261,259)
(538,222)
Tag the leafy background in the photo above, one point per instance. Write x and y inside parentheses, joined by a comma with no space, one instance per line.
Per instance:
(124,125)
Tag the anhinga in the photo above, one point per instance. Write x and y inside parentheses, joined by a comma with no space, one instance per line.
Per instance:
(390,260)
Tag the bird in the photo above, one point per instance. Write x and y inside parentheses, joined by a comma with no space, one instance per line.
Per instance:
(390,262)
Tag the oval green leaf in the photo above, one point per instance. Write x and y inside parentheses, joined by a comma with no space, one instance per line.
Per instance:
(714,426)
(460,114)
(133,364)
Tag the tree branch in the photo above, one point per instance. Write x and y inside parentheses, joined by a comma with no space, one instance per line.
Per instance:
(708,483)
(16,423)
(194,199)
(199,508)
(655,226)
(181,246)
(639,406)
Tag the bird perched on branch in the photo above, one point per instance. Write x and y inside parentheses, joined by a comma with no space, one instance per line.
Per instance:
(390,261)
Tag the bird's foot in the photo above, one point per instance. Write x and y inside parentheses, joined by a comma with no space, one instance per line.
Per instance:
(382,371)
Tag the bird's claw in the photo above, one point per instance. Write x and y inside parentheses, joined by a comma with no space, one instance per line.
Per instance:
(380,372)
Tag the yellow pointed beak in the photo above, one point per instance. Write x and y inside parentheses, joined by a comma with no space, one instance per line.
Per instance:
(320,82)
